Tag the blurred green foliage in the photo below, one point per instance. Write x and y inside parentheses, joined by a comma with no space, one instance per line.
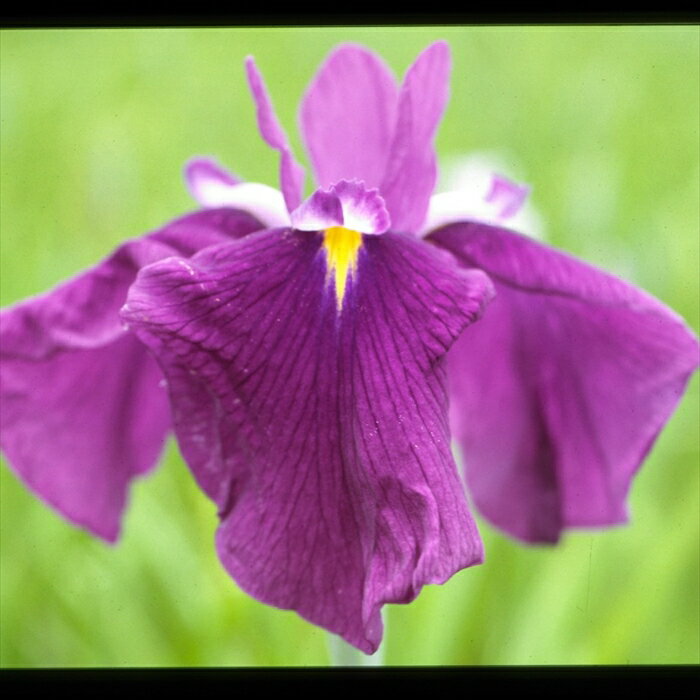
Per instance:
(602,121)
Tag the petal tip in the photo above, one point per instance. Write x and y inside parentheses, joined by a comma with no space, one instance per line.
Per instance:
(207,181)
(438,51)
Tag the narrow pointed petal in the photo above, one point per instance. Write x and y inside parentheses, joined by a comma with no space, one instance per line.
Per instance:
(411,170)
(559,393)
(83,408)
(348,116)
(291,173)
(321,434)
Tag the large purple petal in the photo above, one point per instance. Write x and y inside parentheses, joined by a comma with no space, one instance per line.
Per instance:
(348,116)
(82,409)
(560,391)
(291,173)
(411,170)
(321,433)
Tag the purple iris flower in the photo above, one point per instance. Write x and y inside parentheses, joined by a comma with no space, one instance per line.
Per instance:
(319,353)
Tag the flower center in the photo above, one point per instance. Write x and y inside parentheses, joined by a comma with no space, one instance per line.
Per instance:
(341,245)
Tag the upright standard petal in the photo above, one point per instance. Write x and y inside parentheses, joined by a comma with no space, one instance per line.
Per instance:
(319,430)
(411,170)
(83,411)
(291,173)
(348,116)
(560,391)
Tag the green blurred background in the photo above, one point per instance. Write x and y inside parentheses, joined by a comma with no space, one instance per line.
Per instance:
(601,121)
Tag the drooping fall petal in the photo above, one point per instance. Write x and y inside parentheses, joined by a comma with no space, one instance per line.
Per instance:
(320,430)
(82,410)
(560,391)
(348,115)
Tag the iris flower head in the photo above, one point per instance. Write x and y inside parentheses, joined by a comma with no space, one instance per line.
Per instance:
(314,357)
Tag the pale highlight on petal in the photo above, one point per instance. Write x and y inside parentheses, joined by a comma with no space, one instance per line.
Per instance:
(212,186)
(207,181)
(363,210)
(346,203)
(506,196)
(475,189)
(344,212)
(321,210)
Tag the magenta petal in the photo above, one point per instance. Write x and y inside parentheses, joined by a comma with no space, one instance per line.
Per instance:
(320,211)
(346,203)
(83,409)
(363,210)
(291,173)
(560,391)
(506,196)
(411,170)
(321,435)
(348,116)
